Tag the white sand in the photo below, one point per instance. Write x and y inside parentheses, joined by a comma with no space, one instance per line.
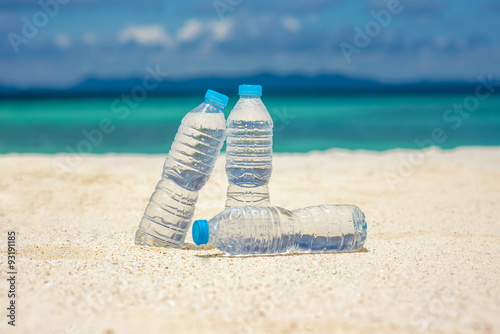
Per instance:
(431,260)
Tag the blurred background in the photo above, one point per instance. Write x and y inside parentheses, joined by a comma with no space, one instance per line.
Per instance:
(118,76)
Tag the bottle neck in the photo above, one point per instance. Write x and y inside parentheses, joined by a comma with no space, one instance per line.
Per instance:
(215,105)
(246,97)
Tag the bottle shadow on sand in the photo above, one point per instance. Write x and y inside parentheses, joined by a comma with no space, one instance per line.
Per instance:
(191,246)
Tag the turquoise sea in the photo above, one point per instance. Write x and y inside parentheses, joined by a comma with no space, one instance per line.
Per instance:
(301,123)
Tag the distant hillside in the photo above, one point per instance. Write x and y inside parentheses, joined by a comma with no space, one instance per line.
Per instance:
(273,84)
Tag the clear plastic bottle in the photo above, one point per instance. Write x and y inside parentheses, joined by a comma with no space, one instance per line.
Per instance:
(249,147)
(195,149)
(274,230)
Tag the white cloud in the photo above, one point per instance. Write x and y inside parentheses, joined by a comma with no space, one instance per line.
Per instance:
(154,34)
(63,41)
(190,30)
(193,28)
(89,38)
(220,29)
(290,23)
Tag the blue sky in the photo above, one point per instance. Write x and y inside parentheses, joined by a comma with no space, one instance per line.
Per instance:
(431,39)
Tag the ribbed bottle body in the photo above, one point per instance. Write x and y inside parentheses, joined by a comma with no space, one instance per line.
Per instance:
(249,153)
(190,162)
(274,230)
(252,230)
(326,228)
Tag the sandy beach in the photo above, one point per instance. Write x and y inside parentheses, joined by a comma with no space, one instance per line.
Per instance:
(430,263)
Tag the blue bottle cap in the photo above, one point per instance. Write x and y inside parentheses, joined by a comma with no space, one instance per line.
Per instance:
(200,232)
(216,98)
(250,90)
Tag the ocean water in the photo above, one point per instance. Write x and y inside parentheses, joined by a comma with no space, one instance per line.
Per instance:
(301,123)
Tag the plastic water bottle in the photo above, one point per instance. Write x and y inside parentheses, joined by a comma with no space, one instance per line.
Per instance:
(274,230)
(249,150)
(195,149)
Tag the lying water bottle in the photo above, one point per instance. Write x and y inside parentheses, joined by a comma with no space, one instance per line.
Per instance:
(187,168)
(249,147)
(274,230)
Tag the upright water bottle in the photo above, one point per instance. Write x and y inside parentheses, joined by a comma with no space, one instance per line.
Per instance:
(195,149)
(274,230)
(249,150)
